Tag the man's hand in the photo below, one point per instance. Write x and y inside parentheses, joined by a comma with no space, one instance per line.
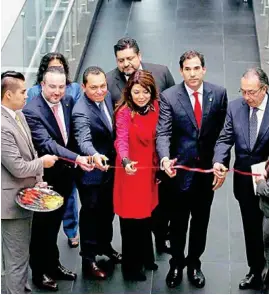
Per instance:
(49,160)
(261,177)
(98,160)
(220,172)
(168,167)
(85,163)
(130,168)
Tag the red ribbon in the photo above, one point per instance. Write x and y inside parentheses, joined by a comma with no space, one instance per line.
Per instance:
(173,167)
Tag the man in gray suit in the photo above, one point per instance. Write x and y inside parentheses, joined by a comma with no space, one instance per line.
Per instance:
(20,168)
(129,59)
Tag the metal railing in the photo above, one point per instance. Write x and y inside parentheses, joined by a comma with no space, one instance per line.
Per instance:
(45,26)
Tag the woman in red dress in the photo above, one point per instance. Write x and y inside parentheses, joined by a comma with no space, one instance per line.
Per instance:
(135,189)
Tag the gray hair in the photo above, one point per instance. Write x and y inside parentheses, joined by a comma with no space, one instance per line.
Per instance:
(258,72)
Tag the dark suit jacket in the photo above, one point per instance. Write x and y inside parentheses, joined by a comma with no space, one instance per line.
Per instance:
(116,81)
(93,136)
(47,137)
(178,135)
(236,132)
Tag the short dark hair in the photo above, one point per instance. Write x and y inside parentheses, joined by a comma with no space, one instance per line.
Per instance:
(9,81)
(258,72)
(191,54)
(94,70)
(44,63)
(57,70)
(125,43)
(143,78)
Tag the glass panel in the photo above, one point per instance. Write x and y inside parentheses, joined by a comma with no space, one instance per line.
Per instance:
(36,28)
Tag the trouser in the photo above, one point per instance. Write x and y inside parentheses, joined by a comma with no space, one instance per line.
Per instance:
(70,218)
(16,234)
(44,252)
(137,247)
(252,218)
(161,214)
(96,219)
(195,202)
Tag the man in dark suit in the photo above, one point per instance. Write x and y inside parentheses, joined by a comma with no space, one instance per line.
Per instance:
(49,118)
(247,128)
(191,118)
(129,59)
(93,128)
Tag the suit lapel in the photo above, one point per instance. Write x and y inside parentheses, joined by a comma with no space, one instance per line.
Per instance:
(186,103)
(207,103)
(97,111)
(25,134)
(28,132)
(121,81)
(264,125)
(66,111)
(244,118)
(49,117)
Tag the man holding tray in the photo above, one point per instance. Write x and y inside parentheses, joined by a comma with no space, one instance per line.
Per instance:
(20,168)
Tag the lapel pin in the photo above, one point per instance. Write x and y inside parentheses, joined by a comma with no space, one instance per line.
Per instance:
(210,99)
(67,104)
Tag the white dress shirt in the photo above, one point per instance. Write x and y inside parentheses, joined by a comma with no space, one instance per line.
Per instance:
(191,96)
(260,112)
(61,115)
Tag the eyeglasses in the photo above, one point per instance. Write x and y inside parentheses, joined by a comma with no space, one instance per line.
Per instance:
(250,92)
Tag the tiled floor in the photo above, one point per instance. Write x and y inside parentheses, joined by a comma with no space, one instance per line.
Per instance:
(225,32)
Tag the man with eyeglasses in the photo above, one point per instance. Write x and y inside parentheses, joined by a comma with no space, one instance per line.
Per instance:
(247,128)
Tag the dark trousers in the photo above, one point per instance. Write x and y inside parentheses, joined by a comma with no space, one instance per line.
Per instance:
(44,252)
(252,218)
(195,202)
(137,247)
(70,218)
(161,214)
(96,219)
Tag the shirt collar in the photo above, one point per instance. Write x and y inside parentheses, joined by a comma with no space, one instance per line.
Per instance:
(190,91)
(49,103)
(140,68)
(11,112)
(262,106)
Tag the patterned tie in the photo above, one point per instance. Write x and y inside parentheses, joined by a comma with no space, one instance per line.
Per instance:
(18,121)
(104,115)
(253,126)
(197,109)
(55,110)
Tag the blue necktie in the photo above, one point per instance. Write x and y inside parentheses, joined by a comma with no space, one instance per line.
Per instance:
(253,126)
(104,115)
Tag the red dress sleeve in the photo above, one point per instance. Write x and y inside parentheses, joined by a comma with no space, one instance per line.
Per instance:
(123,119)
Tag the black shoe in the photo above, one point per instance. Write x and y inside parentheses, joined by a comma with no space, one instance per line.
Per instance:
(134,275)
(45,282)
(251,281)
(62,273)
(196,277)
(174,277)
(151,266)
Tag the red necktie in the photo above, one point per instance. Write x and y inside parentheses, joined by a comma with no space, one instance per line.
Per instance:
(197,110)
(55,110)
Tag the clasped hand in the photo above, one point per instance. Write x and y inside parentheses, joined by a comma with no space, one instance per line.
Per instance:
(85,163)
(220,172)
(100,162)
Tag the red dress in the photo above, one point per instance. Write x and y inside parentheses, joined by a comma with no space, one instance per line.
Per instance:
(135,196)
